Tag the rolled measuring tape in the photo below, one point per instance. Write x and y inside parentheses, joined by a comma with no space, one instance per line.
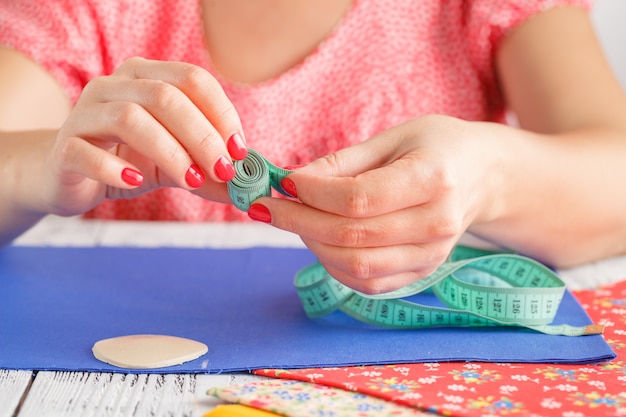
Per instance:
(478,287)
(255,177)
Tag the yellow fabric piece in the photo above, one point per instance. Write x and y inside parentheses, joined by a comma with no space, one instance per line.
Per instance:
(238,410)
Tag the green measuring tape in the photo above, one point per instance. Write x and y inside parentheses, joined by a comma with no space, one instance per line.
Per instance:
(478,287)
(255,177)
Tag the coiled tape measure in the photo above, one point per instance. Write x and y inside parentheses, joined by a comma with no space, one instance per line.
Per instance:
(255,177)
(479,287)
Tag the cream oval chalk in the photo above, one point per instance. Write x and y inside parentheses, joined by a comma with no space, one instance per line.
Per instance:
(147,351)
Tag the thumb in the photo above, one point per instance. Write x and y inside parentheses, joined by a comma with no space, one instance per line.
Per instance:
(354,160)
(367,179)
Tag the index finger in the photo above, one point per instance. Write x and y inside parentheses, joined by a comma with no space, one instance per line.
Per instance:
(205,92)
(197,84)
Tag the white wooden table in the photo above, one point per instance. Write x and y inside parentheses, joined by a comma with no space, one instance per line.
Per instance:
(43,394)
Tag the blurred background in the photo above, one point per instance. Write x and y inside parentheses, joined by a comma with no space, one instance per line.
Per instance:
(609,17)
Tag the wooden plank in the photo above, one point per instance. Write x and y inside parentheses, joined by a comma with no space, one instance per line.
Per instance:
(62,231)
(13,386)
(107,394)
(84,394)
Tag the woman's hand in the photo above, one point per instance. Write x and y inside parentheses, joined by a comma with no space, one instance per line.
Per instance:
(387,212)
(150,124)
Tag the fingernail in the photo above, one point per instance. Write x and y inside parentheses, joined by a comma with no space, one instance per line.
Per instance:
(237,147)
(132,177)
(259,213)
(194,176)
(289,186)
(224,169)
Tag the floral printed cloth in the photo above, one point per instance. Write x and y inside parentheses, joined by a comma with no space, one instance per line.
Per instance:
(303,399)
(499,389)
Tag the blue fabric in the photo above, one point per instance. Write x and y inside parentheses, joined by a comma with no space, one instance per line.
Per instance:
(57,302)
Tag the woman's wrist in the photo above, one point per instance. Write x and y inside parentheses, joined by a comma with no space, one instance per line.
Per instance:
(23,173)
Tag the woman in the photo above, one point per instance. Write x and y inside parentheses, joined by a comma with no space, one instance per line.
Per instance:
(397,109)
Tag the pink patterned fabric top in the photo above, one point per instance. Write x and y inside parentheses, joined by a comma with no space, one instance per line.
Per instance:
(386,62)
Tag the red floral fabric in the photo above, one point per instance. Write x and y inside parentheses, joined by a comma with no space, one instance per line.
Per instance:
(500,389)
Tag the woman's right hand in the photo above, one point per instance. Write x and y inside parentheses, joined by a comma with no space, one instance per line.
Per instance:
(148,125)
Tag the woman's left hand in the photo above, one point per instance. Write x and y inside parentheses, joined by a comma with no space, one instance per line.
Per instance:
(388,211)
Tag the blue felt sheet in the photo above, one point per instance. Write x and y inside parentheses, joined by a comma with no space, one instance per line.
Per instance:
(57,302)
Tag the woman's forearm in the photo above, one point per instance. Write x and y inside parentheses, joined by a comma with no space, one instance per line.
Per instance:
(562,198)
(22,157)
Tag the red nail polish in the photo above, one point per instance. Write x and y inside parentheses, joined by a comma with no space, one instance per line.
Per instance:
(289,186)
(224,169)
(237,147)
(259,213)
(132,177)
(194,176)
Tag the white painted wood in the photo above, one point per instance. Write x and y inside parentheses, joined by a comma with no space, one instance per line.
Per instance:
(75,231)
(86,394)
(62,231)
(83,394)
(13,385)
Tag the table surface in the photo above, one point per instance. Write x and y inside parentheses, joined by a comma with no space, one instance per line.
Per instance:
(25,394)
